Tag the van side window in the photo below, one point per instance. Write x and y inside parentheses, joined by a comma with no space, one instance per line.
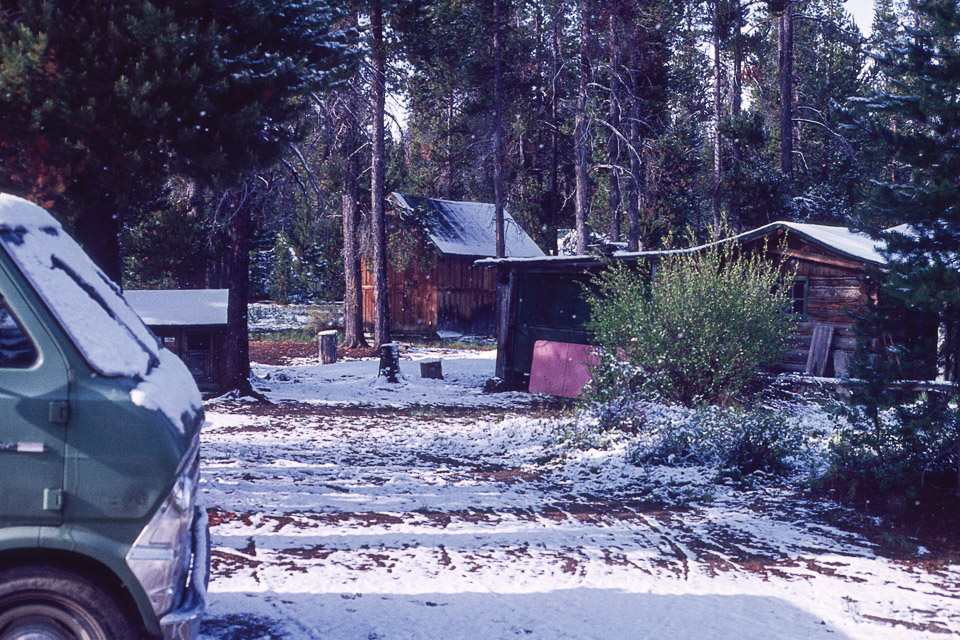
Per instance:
(17,350)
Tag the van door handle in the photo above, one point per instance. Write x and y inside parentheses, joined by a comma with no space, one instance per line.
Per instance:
(23,447)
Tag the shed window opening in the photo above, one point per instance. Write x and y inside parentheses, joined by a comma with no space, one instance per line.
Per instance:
(17,350)
(197,340)
(799,297)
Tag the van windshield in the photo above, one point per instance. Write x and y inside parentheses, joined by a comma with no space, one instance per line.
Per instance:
(90,308)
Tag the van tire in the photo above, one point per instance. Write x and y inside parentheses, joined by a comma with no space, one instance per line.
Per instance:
(49,602)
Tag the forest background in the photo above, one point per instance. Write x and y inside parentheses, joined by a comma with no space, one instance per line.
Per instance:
(706,142)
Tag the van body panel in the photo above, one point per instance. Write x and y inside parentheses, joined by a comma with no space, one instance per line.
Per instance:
(34,409)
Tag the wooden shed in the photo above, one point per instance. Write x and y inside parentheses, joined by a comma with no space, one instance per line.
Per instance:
(192,323)
(836,272)
(433,284)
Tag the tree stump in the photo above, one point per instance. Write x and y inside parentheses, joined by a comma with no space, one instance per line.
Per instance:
(390,361)
(328,346)
(431,369)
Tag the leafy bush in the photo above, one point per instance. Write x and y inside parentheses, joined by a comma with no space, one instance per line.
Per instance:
(698,329)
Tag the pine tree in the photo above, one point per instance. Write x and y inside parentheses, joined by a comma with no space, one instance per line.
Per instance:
(919,118)
(100,102)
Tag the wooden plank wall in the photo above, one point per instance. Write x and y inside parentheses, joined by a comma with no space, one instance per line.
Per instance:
(412,298)
(465,297)
(833,293)
(454,296)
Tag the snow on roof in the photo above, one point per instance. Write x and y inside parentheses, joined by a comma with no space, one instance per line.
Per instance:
(840,239)
(467,228)
(84,301)
(179,307)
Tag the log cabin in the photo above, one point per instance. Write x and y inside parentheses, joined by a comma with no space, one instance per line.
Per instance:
(433,284)
(835,272)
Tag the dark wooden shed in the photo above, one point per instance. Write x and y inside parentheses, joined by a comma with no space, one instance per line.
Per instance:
(192,323)
(836,272)
(433,284)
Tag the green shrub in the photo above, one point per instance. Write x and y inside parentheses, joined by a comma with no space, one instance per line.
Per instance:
(697,330)
(740,442)
(891,455)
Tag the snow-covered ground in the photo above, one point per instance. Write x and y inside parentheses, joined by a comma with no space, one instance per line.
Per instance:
(353,511)
(355,382)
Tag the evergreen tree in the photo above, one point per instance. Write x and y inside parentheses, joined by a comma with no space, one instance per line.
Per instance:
(101,102)
(919,118)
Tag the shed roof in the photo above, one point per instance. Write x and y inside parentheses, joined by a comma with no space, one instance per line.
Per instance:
(183,307)
(466,228)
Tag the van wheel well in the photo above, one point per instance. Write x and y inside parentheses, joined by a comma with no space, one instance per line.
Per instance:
(95,571)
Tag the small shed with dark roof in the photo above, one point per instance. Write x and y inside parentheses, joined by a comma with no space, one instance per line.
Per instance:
(192,323)
(433,283)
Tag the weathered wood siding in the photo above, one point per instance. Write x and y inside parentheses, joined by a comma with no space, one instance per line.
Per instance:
(453,295)
(838,288)
(465,297)
(412,297)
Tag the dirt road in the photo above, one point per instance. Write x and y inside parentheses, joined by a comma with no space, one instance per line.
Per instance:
(371,524)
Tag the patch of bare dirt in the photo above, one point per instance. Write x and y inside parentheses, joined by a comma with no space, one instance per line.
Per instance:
(282,352)
(278,352)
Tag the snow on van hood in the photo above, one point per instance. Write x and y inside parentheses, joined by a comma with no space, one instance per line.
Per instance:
(90,308)
(170,389)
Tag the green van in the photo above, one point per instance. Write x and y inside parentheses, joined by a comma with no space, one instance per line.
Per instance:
(100,534)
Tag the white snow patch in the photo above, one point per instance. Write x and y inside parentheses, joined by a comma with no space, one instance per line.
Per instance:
(170,389)
(108,333)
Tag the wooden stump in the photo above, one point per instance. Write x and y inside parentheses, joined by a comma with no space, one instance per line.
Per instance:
(328,346)
(390,361)
(431,369)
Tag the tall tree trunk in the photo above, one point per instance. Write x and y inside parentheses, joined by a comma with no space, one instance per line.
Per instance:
(580,132)
(613,144)
(636,175)
(498,132)
(381,305)
(717,115)
(554,195)
(237,347)
(736,102)
(350,145)
(352,268)
(785,66)
(635,185)
(98,232)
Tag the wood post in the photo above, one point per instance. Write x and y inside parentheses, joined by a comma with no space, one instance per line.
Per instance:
(390,361)
(328,346)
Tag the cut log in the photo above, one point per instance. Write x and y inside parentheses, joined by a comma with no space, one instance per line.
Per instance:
(432,369)
(819,350)
(328,346)
(390,361)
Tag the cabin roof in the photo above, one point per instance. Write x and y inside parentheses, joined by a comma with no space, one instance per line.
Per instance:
(465,228)
(851,244)
(183,307)
(842,240)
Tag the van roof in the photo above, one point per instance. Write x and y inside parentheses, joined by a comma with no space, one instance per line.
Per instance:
(86,303)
